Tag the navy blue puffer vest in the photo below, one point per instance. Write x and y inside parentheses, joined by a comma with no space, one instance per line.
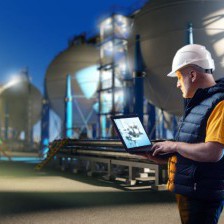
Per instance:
(197,179)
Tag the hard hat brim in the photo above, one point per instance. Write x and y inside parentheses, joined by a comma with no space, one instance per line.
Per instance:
(172,74)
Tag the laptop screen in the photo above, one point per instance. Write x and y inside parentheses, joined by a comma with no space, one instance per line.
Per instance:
(132,132)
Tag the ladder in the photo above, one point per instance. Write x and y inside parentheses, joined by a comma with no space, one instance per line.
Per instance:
(3,148)
(55,146)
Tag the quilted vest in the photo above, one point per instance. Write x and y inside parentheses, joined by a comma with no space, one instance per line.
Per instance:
(202,180)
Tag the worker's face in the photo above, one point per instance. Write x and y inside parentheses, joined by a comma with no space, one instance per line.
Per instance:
(184,82)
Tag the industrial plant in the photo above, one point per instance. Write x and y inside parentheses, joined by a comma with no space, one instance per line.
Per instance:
(118,71)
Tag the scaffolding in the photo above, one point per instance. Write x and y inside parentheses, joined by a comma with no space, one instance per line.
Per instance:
(114,74)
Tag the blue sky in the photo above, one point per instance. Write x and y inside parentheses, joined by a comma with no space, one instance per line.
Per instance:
(32,32)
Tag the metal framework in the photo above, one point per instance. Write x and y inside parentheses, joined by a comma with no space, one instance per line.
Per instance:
(114,32)
(71,154)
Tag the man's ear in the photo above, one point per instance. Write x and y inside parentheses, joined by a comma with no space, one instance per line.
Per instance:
(193,75)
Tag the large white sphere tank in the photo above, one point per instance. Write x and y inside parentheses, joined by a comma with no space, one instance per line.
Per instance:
(80,60)
(21,101)
(162,25)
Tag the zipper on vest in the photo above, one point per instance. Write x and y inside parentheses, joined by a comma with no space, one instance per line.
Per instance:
(195,186)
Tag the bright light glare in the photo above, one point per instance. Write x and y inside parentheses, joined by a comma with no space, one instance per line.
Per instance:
(108,46)
(15,78)
(213,24)
(88,80)
(106,101)
(122,26)
(123,67)
(107,80)
(119,96)
(107,23)
(122,21)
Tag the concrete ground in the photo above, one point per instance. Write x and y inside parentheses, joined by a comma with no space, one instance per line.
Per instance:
(53,197)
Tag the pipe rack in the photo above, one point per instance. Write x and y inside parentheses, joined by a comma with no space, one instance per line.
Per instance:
(111,153)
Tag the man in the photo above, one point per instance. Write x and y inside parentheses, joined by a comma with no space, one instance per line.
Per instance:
(196,164)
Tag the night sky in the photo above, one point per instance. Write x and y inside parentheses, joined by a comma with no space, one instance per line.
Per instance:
(32,32)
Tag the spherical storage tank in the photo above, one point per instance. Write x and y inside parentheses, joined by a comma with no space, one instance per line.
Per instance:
(80,61)
(21,102)
(162,25)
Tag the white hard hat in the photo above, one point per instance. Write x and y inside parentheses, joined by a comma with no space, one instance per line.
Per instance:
(192,54)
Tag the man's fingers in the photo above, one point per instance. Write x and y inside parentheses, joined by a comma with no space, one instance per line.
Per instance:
(156,152)
(154,146)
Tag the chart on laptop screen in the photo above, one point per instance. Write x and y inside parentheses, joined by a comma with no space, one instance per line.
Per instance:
(132,132)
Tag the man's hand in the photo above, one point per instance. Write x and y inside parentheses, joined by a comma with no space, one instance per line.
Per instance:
(201,152)
(162,148)
(157,160)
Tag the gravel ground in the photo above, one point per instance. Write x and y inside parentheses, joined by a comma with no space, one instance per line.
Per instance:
(30,197)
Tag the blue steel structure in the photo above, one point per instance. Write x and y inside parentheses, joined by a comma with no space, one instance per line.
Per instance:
(29,129)
(68,108)
(190,39)
(139,72)
(151,128)
(6,121)
(45,123)
(138,80)
(128,96)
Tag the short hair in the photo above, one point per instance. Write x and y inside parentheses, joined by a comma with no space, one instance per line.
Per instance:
(198,68)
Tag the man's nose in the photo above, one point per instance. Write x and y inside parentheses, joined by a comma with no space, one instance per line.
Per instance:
(178,84)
